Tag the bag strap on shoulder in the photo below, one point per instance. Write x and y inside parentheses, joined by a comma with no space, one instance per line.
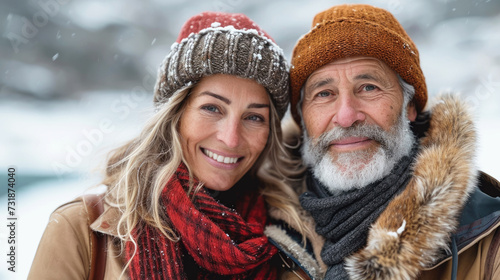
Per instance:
(98,241)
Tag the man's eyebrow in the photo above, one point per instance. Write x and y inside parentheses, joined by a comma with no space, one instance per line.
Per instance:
(222,98)
(367,76)
(319,83)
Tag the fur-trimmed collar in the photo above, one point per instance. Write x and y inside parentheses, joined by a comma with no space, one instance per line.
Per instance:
(417,225)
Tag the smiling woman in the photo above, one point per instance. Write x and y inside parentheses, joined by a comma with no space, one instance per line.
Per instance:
(192,180)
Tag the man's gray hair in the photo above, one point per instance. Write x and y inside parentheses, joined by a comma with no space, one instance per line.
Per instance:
(408,91)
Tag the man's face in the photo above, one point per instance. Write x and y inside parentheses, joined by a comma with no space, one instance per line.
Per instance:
(354,118)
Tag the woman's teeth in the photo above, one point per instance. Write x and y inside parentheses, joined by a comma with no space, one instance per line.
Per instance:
(220,158)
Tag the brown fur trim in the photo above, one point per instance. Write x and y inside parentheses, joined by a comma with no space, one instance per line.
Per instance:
(315,239)
(296,250)
(417,224)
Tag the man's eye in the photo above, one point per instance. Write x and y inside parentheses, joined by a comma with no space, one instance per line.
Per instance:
(323,94)
(369,87)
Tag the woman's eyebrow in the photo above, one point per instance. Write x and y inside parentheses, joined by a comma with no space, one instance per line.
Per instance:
(222,98)
(228,102)
(258,105)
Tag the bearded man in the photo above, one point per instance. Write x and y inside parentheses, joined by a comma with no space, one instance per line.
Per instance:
(389,188)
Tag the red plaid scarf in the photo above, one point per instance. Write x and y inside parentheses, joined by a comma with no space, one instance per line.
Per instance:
(219,239)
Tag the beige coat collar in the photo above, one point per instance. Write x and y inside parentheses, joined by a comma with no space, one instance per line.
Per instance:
(107,222)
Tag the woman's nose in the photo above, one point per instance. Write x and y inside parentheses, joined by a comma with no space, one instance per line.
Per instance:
(230,133)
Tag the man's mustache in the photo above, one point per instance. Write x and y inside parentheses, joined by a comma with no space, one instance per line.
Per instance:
(371,131)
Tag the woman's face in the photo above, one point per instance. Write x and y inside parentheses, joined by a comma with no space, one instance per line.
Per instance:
(224,128)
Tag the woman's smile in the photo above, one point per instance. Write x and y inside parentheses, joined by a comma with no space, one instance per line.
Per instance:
(219,158)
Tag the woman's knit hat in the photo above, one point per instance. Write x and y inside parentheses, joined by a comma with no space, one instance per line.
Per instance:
(222,43)
(356,30)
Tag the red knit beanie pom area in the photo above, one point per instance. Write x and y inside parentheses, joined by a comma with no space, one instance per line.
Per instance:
(213,19)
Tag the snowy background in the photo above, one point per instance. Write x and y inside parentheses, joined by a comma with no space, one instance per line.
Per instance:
(76,80)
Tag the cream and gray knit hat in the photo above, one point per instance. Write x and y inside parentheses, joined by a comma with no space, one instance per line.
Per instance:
(222,43)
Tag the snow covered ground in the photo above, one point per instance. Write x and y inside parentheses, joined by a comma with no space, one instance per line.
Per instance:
(58,145)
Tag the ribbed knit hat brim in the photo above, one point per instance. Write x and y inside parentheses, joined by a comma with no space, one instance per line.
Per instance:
(356,30)
(246,53)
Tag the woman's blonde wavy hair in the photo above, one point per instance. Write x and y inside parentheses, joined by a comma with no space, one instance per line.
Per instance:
(137,172)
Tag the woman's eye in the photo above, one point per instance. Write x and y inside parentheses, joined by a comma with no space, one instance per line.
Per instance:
(210,108)
(255,118)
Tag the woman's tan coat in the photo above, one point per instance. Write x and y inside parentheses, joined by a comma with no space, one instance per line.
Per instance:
(64,250)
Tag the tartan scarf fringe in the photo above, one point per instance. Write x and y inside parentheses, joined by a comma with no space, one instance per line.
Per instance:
(218,238)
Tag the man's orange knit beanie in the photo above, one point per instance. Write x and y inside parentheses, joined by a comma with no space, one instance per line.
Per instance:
(356,30)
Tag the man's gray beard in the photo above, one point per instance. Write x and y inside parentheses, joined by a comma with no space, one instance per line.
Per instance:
(351,169)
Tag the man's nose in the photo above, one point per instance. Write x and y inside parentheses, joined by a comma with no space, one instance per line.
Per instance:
(347,110)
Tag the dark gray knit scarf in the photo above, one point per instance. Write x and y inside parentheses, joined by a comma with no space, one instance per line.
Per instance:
(344,219)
